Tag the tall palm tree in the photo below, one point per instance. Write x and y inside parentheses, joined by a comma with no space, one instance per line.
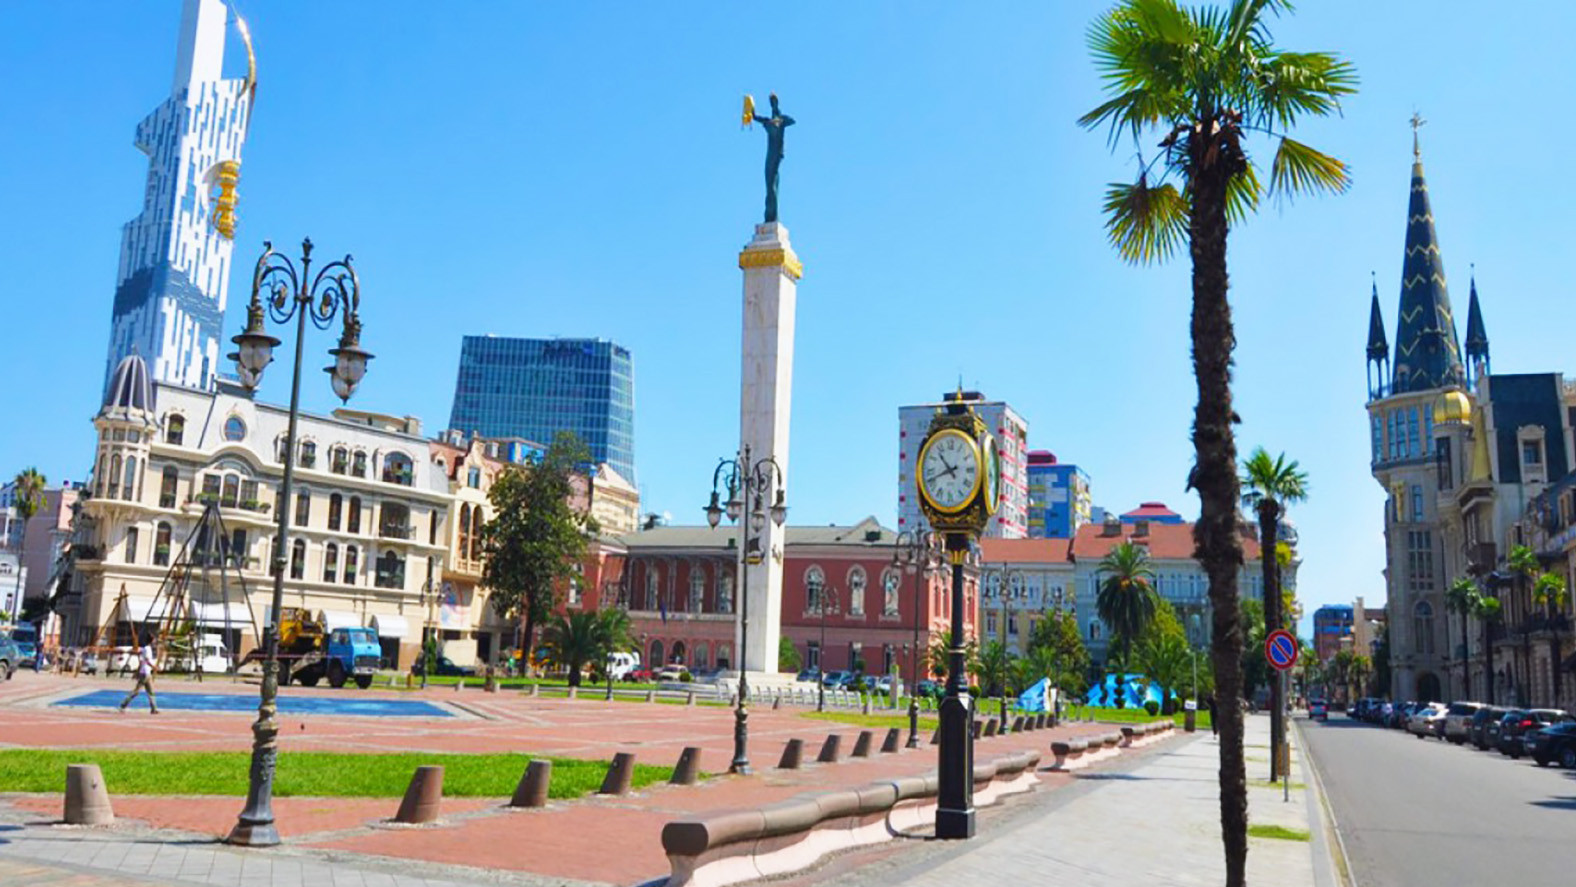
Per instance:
(1205,80)
(616,636)
(1461,598)
(1269,485)
(574,639)
(1488,611)
(1360,669)
(1523,562)
(28,500)
(1340,672)
(1126,601)
(1549,593)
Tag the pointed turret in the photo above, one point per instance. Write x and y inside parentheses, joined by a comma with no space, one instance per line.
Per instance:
(1426,352)
(1477,339)
(1378,349)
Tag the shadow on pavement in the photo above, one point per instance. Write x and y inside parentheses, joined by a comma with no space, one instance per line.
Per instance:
(1557,803)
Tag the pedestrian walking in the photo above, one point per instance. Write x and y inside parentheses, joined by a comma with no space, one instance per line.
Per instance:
(146,661)
(1214,722)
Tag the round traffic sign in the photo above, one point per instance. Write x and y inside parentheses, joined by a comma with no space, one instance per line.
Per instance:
(1280,648)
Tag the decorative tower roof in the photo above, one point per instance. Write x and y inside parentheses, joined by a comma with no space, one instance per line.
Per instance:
(1477,336)
(1427,355)
(130,394)
(1378,346)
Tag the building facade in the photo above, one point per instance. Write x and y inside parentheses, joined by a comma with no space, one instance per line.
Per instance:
(48,532)
(1059,500)
(1011,432)
(185,478)
(175,256)
(1023,580)
(536,388)
(1332,630)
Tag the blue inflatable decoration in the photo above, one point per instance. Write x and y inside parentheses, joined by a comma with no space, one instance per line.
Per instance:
(1130,688)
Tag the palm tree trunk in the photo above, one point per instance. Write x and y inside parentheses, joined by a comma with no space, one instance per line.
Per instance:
(1488,655)
(1217,545)
(1268,528)
(1466,661)
(1554,659)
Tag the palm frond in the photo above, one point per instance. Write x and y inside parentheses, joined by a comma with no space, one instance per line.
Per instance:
(1287,85)
(1299,169)
(1145,224)
(1242,195)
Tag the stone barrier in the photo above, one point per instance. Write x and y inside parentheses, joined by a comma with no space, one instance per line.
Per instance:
(619,774)
(687,770)
(990,728)
(889,745)
(793,755)
(651,696)
(534,784)
(830,749)
(1017,723)
(87,798)
(1128,731)
(422,797)
(862,744)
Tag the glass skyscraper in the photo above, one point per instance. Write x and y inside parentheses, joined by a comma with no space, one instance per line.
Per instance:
(535,388)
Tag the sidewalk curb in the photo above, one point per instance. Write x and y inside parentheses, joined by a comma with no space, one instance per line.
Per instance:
(1331,866)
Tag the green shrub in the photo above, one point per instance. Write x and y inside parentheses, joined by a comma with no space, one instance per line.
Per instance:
(1152,707)
(686,677)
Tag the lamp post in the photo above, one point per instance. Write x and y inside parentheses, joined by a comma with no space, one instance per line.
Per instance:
(1007,591)
(298,294)
(755,482)
(917,554)
(1056,658)
(826,604)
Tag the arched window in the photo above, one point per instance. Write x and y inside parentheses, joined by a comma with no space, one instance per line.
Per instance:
(856,591)
(724,597)
(303,511)
(128,491)
(339,460)
(477,524)
(656,655)
(231,492)
(330,562)
(353,516)
(701,652)
(358,464)
(308,454)
(351,557)
(1094,629)
(390,571)
(114,476)
(161,545)
(697,590)
(280,449)
(98,477)
(336,504)
(168,482)
(174,429)
(653,587)
(298,559)
(465,532)
(397,469)
(814,584)
(1423,628)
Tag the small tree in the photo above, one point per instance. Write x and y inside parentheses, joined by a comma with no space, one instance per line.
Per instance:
(1127,600)
(536,537)
(1066,659)
(1549,593)
(788,658)
(28,500)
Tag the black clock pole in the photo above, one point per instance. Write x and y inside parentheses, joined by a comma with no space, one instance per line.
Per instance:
(955,801)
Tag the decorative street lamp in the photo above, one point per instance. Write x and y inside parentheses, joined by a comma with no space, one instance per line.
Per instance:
(917,554)
(1056,661)
(1008,590)
(291,294)
(827,603)
(755,482)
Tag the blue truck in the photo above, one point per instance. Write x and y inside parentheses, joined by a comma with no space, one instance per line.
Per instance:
(25,636)
(309,651)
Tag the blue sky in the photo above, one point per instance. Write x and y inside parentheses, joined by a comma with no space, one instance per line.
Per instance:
(545,169)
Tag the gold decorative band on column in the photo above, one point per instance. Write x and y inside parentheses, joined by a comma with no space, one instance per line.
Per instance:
(773,258)
(958,557)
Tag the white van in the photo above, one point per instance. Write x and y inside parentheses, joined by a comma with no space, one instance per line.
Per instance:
(621,665)
(212,655)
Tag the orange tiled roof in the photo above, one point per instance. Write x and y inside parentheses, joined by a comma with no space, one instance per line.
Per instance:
(1025,551)
(1165,541)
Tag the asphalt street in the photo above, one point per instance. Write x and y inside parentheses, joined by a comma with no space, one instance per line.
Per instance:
(1424,812)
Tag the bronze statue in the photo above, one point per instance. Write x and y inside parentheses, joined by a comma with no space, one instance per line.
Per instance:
(775,126)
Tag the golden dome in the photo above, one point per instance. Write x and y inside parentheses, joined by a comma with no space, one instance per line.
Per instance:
(1452,408)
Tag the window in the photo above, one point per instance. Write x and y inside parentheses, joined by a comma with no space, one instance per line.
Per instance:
(1423,627)
(697,592)
(1012,623)
(725,594)
(473,478)
(889,585)
(131,545)
(812,658)
(575,583)
(465,531)
(339,460)
(234,429)
(478,536)
(210,489)
(174,429)
(1531,452)
(353,516)
(161,545)
(1414,440)
(298,559)
(231,496)
(303,511)
(358,464)
(394,521)
(249,499)
(1420,560)
(1378,438)
(990,623)
(169,482)
(398,469)
(308,454)
(814,583)
(390,571)
(1094,630)
(351,557)
(856,591)
(330,562)
(114,476)
(238,548)
(1444,464)
(336,504)
(1417,503)
(127,491)
(653,588)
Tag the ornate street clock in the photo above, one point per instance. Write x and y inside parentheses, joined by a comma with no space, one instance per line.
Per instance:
(958,472)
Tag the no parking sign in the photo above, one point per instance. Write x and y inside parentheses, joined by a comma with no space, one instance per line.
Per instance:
(1280,648)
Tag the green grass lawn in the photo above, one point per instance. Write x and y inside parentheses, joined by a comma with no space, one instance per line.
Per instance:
(1278,832)
(1132,715)
(900,719)
(547,684)
(310,774)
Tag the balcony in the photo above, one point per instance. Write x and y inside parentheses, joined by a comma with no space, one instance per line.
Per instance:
(253,505)
(396,531)
(390,578)
(87,552)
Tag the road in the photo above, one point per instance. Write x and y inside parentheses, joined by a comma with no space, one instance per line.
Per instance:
(1428,813)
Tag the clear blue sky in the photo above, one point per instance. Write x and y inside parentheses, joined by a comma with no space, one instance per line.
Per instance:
(540,169)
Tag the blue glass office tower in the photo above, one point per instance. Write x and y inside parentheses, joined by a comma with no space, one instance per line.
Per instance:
(535,388)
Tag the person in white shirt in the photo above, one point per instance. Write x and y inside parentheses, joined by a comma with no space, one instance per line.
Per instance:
(146,663)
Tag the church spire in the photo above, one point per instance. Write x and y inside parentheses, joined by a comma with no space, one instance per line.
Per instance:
(1378,348)
(1427,355)
(1477,339)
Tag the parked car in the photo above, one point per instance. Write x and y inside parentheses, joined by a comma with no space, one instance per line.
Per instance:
(1556,742)
(1396,717)
(643,675)
(444,668)
(10,658)
(1425,719)
(929,688)
(1318,710)
(672,673)
(1458,718)
(622,664)
(1516,724)
(1486,718)
(839,678)
(808,676)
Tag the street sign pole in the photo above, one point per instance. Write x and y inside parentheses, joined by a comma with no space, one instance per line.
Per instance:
(1281,650)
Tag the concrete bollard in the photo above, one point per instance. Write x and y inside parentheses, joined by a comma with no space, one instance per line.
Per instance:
(536,690)
(422,797)
(793,755)
(687,770)
(459,685)
(691,699)
(777,703)
(532,790)
(889,745)
(829,750)
(651,696)
(1017,723)
(619,774)
(1039,721)
(87,798)
(862,743)
(976,728)
(935,738)
(990,727)
(866,704)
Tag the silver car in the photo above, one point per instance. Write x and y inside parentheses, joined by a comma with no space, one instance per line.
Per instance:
(1425,721)
(1458,721)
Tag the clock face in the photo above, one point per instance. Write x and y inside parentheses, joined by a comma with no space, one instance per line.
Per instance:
(992,474)
(949,470)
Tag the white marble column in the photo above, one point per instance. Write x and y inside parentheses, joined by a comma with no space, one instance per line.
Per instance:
(771,275)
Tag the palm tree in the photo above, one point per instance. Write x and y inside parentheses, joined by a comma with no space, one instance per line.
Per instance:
(28,495)
(1524,564)
(1549,593)
(1166,661)
(1358,672)
(1488,610)
(1269,485)
(993,667)
(1340,672)
(1205,79)
(1461,598)
(574,639)
(614,632)
(1126,601)
(1309,669)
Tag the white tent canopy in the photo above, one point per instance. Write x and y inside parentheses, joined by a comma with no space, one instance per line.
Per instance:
(333,619)
(391,626)
(213,613)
